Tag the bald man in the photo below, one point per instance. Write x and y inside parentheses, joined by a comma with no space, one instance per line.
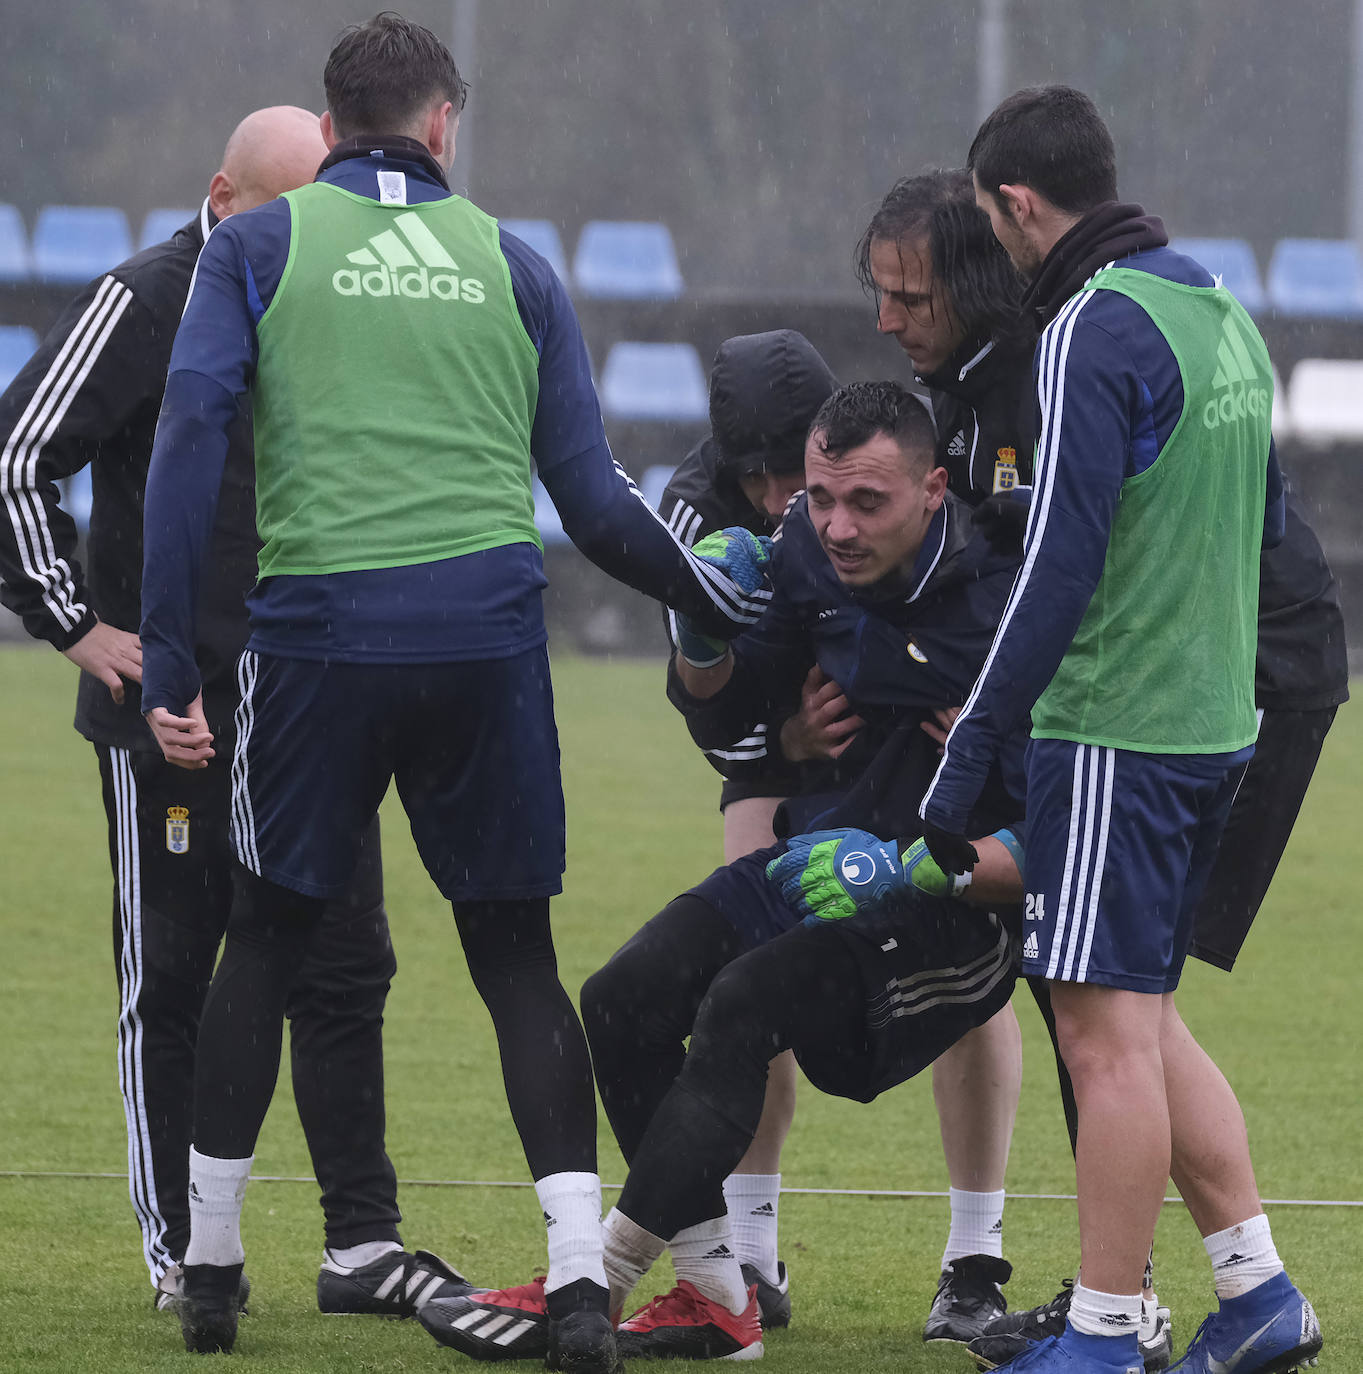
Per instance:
(91,395)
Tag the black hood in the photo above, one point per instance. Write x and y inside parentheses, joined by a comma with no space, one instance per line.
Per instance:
(764,391)
(1108,232)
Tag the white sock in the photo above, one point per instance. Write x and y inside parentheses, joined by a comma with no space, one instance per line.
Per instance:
(754,1201)
(216,1189)
(704,1257)
(629,1253)
(1243,1257)
(571,1203)
(976,1225)
(350,1257)
(1149,1316)
(1104,1314)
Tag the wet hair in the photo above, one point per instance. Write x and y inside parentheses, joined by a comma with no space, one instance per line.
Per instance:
(981,285)
(385,72)
(856,413)
(1052,139)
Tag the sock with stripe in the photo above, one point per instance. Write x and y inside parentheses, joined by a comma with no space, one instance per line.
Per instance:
(630,1252)
(754,1201)
(571,1203)
(976,1225)
(216,1190)
(1243,1256)
(351,1257)
(704,1257)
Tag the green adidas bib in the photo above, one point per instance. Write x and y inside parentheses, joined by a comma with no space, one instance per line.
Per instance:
(395,389)
(1163,661)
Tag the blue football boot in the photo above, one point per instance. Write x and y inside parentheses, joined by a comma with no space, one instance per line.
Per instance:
(1271,1329)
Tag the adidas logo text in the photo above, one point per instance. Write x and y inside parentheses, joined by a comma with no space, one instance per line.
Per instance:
(411,263)
(1234,378)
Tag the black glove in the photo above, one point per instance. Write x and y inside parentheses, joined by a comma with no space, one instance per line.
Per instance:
(952,853)
(1002,520)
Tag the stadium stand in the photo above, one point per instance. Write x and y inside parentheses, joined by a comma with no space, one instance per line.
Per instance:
(1234,262)
(654,381)
(1317,277)
(543,236)
(1325,396)
(72,243)
(626,260)
(14,264)
(161,224)
(17,343)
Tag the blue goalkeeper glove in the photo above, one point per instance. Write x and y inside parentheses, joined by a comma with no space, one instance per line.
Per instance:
(829,875)
(739,554)
(742,557)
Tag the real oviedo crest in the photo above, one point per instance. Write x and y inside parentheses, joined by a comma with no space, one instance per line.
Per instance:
(177,829)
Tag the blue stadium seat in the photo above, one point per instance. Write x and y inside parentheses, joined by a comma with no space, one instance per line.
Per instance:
(625,260)
(542,235)
(72,243)
(654,482)
(160,224)
(17,342)
(77,497)
(546,518)
(654,381)
(1234,262)
(1317,277)
(14,265)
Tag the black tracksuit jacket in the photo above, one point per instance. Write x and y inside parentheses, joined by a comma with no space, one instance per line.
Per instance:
(91,395)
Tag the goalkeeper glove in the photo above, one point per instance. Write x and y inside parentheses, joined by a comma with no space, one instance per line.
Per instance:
(739,554)
(829,875)
(742,557)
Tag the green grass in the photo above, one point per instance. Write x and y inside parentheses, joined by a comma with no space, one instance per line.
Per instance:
(642,826)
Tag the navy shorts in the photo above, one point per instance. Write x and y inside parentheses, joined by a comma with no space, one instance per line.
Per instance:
(472,747)
(741,894)
(1119,847)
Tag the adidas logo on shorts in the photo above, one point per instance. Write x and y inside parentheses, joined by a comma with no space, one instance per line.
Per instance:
(1031,949)
(406,260)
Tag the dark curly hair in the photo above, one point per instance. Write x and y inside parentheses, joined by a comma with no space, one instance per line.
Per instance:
(858,412)
(981,285)
(383,73)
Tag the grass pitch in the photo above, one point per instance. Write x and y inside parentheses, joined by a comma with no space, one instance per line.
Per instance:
(643,826)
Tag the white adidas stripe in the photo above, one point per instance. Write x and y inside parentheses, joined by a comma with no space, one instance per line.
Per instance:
(1054,346)
(744,608)
(1085,862)
(1108,762)
(19,460)
(131,1070)
(243,818)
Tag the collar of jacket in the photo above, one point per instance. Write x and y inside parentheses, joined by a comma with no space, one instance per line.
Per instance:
(394,147)
(1109,231)
(974,368)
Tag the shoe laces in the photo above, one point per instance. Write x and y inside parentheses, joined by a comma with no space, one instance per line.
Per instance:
(683,1300)
(1195,1346)
(525,1295)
